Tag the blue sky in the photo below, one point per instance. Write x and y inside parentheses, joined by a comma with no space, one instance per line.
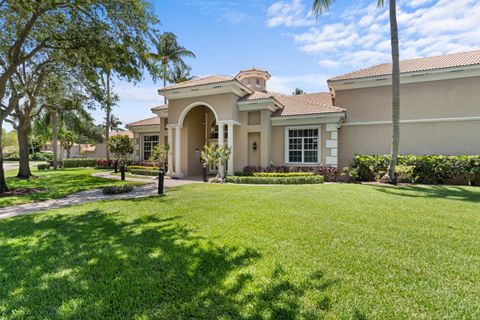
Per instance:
(299,50)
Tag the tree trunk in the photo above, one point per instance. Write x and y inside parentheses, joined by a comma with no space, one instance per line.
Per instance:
(164,81)
(395,91)
(23,150)
(107,120)
(53,124)
(3,183)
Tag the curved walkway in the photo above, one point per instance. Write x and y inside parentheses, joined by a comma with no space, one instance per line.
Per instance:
(146,190)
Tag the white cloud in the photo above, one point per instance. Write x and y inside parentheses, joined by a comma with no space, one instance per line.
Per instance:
(359,35)
(290,14)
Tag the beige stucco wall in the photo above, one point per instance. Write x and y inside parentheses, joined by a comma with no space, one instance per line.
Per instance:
(225,106)
(423,100)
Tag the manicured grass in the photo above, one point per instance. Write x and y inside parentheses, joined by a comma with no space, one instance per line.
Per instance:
(57,184)
(328,251)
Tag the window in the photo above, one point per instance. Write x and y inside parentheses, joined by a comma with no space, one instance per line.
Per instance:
(149,142)
(302,145)
(258,82)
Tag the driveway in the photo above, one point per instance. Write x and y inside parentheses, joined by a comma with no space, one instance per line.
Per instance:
(12,165)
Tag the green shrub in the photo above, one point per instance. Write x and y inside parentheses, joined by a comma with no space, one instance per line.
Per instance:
(329,173)
(43,166)
(282,174)
(312,179)
(432,169)
(79,163)
(41,156)
(13,157)
(144,172)
(117,189)
(405,173)
(142,168)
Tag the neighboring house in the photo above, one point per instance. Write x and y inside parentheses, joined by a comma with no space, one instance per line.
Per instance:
(440,114)
(99,150)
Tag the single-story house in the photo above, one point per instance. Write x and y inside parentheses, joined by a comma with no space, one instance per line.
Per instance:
(440,114)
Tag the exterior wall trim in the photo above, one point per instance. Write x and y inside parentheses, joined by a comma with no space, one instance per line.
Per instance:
(433,120)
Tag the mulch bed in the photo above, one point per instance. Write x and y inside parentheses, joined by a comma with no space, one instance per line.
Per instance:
(21,192)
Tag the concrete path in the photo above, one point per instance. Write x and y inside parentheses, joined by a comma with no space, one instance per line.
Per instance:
(148,189)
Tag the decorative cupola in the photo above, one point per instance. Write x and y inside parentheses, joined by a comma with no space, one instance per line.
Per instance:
(255,79)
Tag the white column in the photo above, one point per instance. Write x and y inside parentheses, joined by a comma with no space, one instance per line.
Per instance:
(178,137)
(221,141)
(230,145)
(221,133)
(170,151)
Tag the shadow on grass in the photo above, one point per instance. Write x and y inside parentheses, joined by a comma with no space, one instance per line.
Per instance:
(462,193)
(93,266)
(57,184)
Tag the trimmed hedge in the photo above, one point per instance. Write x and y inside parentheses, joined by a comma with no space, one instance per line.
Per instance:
(141,168)
(43,166)
(117,189)
(104,164)
(432,169)
(312,179)
(330,174)
(143,172)
(282,174)
(79,163)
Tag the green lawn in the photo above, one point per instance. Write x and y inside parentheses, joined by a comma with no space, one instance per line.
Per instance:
(57,184)
(332,251)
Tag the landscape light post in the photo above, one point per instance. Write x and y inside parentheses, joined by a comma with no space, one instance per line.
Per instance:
(161,176)
(205,176)
(122,172)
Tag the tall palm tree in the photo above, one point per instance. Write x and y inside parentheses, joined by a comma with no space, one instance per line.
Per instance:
(319,7)
(168,52)
(179,73)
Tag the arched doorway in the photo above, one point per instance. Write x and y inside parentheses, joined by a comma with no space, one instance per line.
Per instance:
(199,124)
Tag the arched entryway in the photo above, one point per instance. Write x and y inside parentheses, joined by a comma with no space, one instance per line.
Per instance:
(199,128)
(198,124)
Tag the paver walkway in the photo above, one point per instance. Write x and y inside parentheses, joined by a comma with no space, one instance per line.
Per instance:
(148,189)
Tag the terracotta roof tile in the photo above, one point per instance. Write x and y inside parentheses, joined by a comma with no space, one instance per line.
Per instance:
(199,82)
(304,104)
(257,95)
(145,122)
(416,65)
(312,103)
(162,107)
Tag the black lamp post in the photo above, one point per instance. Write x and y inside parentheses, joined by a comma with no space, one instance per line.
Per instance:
(161,177)
(205,176)
(122,172)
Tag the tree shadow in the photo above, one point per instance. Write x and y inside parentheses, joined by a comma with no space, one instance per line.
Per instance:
(462,193)
(103,265)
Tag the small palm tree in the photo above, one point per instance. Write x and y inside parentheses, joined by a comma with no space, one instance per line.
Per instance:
(169,51)
(319,7)
(179,73)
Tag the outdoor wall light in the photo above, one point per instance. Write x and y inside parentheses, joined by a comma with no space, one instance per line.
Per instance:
(254,146)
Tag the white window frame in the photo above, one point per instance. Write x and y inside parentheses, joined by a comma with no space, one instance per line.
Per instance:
(287,145)
(143,143)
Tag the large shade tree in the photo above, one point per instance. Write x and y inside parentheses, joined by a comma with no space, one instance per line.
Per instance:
(319,7)
(168,54)
(82,31)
